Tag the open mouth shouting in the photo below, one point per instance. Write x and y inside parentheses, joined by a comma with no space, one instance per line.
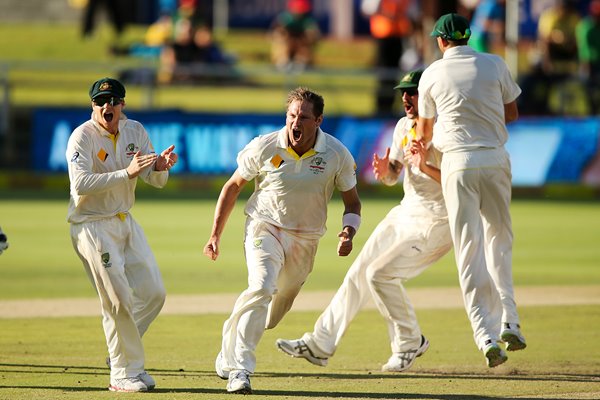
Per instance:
(410,109)
(108,116)
(296,134)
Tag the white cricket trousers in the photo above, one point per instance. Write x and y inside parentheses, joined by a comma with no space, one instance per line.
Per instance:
(401,247)
(477,191)
(278,264)
(118,260)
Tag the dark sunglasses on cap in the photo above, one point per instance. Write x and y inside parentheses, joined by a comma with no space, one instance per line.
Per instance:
(113,101)
(410,91)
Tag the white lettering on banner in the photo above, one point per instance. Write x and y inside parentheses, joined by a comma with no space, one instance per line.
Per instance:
(202,148)
(164,135)
(58,147)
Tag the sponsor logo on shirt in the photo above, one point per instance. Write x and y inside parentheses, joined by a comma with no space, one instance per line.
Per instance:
(75,156)
(130,150)
(257,243)
(102,155)
(317,165)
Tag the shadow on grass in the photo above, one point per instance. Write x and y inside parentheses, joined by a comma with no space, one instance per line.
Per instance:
(511,376)
(323,377)
(291,394)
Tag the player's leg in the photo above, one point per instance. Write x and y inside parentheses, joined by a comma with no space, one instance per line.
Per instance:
(411,250)
(496,194)
(99,245)
(245,326)
(144,278)
(461,186)
(350,297)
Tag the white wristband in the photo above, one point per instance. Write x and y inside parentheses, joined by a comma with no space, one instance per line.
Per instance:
(352,220)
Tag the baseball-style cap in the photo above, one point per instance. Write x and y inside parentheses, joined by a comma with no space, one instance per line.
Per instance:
(410,80)
(107,86)
(452,27)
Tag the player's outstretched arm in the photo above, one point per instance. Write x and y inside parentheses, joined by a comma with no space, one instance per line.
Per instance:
(229,194)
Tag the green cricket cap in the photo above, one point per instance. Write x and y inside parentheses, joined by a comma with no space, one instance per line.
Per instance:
(410,80)
(108,86)
(452,27)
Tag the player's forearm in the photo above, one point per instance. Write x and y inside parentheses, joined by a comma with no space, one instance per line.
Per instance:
(393,172)
(225,205)
(433,172)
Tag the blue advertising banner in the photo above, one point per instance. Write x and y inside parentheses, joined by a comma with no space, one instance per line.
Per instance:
(542,150)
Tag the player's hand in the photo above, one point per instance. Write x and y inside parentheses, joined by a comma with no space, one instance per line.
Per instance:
(139,162)
(381,166)
(166,159)
(211,250)
(345,244)
(418,154)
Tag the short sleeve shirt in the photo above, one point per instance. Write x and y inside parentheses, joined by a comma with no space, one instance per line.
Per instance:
(292,192)
(467,90)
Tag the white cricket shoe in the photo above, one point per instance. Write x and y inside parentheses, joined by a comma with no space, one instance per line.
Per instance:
(239,382)
(219,369)
(494,355)
(128,385)
(147,379)
(299,349)
(402,361)
(511,335)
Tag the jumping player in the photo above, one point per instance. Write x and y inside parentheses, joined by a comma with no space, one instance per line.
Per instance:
(295,170)
(473,97)
(412,236)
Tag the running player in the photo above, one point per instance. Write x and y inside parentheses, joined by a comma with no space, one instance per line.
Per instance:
(295,170)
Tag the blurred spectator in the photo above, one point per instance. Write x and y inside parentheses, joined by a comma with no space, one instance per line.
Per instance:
(157,36)
(390,24)
(588,45)
(556,37)
(295,34)
(193,56)
(112,7)
(488,26)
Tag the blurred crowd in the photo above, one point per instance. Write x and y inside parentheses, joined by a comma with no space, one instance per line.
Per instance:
(562,75)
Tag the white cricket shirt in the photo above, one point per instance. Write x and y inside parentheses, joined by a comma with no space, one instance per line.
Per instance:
(100,187)
(467,90)
(422,194)
(292,192)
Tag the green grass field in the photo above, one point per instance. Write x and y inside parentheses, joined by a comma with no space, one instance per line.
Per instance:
(63,358)
(554,245)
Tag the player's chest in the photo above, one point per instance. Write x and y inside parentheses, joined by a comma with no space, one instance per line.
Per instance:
(285,170)
(109,155)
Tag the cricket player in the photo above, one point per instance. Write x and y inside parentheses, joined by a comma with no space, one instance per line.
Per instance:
(411,237)
(105,157)
(474,96)
(295,171)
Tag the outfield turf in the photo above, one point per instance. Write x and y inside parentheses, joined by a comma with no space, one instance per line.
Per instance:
(63,357)
(556,243)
